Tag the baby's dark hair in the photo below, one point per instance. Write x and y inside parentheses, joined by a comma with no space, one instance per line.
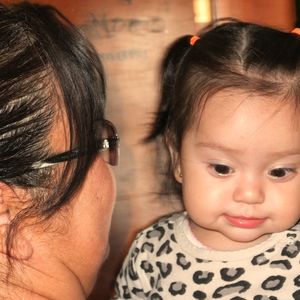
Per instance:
(232,55)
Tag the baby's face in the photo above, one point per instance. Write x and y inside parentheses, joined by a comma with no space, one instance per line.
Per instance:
(240,169)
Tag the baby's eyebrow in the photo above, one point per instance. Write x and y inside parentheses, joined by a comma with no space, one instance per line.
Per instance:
(220,147)
(216,146)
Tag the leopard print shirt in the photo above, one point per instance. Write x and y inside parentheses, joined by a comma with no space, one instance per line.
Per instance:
(164,264)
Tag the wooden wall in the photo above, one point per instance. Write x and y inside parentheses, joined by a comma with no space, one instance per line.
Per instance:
(276,13)
(131,36)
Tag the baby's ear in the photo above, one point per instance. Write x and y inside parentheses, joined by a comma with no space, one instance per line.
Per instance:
(10,205)
(176,164)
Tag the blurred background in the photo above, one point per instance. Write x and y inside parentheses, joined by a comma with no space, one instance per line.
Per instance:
(131,37)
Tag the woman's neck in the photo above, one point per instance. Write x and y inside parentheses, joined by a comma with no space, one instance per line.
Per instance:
(27,281)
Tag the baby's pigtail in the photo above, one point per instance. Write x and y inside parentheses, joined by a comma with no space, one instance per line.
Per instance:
(169,70)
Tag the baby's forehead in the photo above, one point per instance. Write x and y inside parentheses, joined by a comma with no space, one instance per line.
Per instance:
(231,100)
(242,107)
(255,126)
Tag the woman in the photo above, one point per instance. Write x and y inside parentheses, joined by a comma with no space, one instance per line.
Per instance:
(56,191)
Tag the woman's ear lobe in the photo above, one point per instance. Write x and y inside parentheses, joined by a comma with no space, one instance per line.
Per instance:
(10,205)
(3,238)
(21,248)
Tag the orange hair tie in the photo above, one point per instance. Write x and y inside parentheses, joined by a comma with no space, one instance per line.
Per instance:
(194,39)
(296,30)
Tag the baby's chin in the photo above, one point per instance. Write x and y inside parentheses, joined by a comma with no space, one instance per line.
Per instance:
(239,240)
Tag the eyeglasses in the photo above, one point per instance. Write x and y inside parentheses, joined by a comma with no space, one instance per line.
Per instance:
(107,144)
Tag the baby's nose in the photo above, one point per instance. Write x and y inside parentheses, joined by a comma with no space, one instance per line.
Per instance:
(249,191)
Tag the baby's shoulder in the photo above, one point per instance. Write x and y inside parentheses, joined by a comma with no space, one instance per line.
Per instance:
(159,235)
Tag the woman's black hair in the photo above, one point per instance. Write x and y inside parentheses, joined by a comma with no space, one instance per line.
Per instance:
(231,55)
(47,69)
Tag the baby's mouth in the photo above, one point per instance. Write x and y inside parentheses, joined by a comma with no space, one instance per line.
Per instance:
(244,222)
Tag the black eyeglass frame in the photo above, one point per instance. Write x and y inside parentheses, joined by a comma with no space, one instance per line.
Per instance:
(110,143)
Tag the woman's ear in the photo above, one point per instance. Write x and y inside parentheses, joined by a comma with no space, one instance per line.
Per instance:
(176,163)
(10,205)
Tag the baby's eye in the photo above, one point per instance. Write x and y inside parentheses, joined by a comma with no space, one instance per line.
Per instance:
(281,172)
(220,169)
